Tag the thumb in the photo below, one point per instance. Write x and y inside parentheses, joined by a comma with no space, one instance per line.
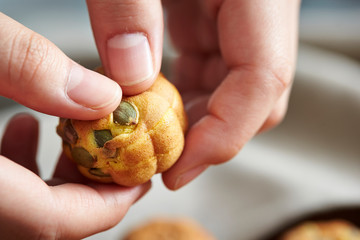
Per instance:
(35,73)
(129,36)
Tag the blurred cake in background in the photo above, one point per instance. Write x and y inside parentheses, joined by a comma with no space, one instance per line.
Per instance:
(323,230)
(165,228)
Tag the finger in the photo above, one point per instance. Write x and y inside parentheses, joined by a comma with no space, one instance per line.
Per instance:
(196,107)
(129,36)
(190,27)
(24,202)
(196,71)
(260,56)
(37,74)
(20,141)
(68,211)
(278,112)
(66,171)
(92,209)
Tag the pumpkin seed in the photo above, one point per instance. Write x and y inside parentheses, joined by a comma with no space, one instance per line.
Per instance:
(102,136)
(70,136)
(125,114)
(98,172)
(82,157)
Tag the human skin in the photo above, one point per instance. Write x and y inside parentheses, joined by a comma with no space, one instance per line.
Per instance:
(35,73)
(67,206)
(235,68)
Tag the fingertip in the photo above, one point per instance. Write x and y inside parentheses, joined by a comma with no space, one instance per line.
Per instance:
(96,206)
(143,189)
(130,59)
(46,80)
(129,39)
(117,195)
(130,62)
(277,114)
(211,151)
(24,120)
(138,88)
(93,91)
(22,132)
(175,181)
(21,126)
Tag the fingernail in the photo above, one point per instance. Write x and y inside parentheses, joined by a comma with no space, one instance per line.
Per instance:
(91,89)
(186,177)
(130,59)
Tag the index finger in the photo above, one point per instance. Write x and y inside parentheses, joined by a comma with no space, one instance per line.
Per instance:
(258,42)
(128,36)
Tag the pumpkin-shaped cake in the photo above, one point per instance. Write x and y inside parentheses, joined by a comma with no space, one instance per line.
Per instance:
(336,229)
(142,137)
(178,228)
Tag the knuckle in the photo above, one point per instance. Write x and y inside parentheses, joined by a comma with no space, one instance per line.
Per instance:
(35,55)
(226,140)
(230,151)
(273,79)
(48,233)
(275,118)
(227,150)
(277,115)
(282,75)
(28,55)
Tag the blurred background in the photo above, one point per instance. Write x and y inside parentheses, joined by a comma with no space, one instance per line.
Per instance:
(310,162)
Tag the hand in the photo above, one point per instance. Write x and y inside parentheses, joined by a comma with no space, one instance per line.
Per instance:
(70,208)
(236,64)
(128,35)
(35,73)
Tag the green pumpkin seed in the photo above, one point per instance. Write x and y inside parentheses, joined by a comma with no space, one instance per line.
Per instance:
(125,114)
(102,136)
(70,136)
(98,172)
(82,157)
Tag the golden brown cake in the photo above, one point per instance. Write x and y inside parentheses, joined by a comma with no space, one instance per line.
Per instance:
(324,230)
(169,229)
(142,137)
